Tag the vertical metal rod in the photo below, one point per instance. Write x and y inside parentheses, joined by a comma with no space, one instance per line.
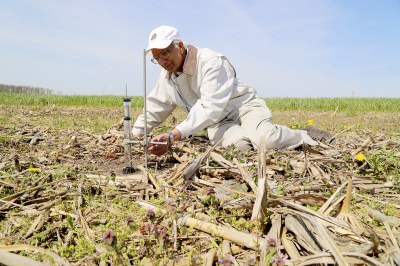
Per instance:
(128,147)
(145,108)
(127,134)
(128,169)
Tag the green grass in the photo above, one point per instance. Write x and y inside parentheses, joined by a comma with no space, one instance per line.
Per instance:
(67,100)
(351,105)
(332,104)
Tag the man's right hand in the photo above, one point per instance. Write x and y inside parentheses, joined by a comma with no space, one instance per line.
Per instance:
(159,149)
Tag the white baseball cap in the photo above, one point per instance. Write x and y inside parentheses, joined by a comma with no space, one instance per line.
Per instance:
(161,37)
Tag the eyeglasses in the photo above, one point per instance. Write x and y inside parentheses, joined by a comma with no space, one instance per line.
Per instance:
(163,55)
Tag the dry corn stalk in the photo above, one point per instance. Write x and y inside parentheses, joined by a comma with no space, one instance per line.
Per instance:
(228,233)
(260,205)
(345,213)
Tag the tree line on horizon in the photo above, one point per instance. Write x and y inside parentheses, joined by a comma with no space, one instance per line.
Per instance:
(24,89)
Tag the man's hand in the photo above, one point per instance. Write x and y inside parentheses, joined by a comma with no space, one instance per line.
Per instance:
(159,149)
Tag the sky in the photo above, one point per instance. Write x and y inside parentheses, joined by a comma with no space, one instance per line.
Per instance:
(283,48)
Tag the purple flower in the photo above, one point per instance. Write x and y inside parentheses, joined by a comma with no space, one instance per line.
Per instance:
(109,237)
(163,233)
(280,260)
(128,219)
(148,227)
(150,214)
(271,241)
(225,261)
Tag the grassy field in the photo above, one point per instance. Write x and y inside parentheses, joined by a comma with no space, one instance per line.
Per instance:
(352,105)
(100,112)
(64,196)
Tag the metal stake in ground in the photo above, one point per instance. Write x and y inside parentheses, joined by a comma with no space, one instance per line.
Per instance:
(127,127)
(146,142)
(128,169)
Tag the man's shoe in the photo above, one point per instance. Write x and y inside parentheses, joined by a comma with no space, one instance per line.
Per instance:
(320,135)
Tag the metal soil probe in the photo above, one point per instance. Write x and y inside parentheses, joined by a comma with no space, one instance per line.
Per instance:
(128,127)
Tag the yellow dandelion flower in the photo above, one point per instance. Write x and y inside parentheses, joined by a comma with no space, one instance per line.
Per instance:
(32,169)
(310,122)
(360,157)
(345,126)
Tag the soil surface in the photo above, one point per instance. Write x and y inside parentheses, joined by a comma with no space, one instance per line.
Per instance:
(64,198)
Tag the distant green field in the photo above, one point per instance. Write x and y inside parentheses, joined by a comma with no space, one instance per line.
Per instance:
(351,105)
(67,100)
(283,104)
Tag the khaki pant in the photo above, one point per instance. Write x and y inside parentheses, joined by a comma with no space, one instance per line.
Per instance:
(245,126)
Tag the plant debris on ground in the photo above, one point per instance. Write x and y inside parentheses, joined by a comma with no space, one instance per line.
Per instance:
(65,201)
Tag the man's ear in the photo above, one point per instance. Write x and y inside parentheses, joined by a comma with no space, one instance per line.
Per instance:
(181,47)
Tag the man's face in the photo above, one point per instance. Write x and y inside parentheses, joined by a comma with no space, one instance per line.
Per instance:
(170,58)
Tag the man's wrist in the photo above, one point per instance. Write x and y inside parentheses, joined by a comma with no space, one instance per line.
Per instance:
(176,134)
(171,136)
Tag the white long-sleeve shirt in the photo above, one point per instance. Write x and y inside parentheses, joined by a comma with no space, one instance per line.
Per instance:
(208,90)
